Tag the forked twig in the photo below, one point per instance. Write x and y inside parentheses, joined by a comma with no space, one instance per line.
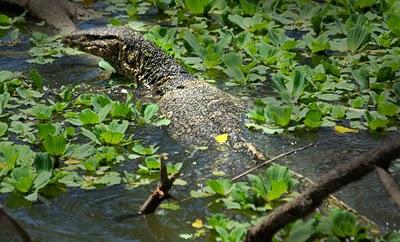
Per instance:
(161,192)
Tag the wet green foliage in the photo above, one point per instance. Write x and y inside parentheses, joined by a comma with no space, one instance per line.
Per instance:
(258,195)
(316,56)
(328,63)
(68,140)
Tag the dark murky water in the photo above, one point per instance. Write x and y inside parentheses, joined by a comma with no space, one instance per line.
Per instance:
(80,215)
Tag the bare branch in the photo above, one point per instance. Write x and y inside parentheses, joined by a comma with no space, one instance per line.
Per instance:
(306,202)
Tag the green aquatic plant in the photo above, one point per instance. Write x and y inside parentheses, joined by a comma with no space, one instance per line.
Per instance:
(211,54)
(375,120)
(41,111)
(111,134)
(46,48)
(196,7)
(221,186)
(260,193)
(357,38)
(291,88)
(4,99)
(238,72)
(3,128)
(252,24)
(318,44)
(55,145)
(88,116)
(146,114)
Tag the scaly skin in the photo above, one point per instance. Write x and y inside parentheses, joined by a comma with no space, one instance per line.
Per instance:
(198,110)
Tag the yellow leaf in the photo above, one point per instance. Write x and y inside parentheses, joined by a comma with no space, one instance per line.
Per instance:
(343,130)
(222,138)
(218,173)
(198,224)
(71,162)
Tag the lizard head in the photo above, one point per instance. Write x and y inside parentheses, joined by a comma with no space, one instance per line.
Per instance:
(105,42)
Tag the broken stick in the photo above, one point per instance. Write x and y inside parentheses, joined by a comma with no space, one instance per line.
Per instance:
(161,192)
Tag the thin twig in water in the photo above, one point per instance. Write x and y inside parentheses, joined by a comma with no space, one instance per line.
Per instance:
(269,161)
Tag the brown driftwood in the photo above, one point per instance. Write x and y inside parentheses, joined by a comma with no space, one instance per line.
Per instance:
(306,202)
(160,193)
(390,184)
(5,218)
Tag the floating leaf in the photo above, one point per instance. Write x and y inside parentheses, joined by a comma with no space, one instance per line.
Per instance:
(150,111)
(4,98)
(198,223)
(313,118)
(221,186)
(222,138)
(385,74)
(344,130)
(186,236)
(365,3)
(3,128)
(301,231)
(87,116)
(42,179)
(357,38)
(140,149)
(196,6)
(344,223)
(388,109)
(36,78)
(22,179)
(43,162)
(111,138)
(45,130)
(329,97)
(277,189)
(55,145)
(80,151)
(42,112)
(375,120)
(279,115)
(338,112)
(393,23)
(357,103)
(170,206)
(362,77)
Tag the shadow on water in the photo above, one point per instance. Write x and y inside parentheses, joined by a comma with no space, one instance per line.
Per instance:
(95,215)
